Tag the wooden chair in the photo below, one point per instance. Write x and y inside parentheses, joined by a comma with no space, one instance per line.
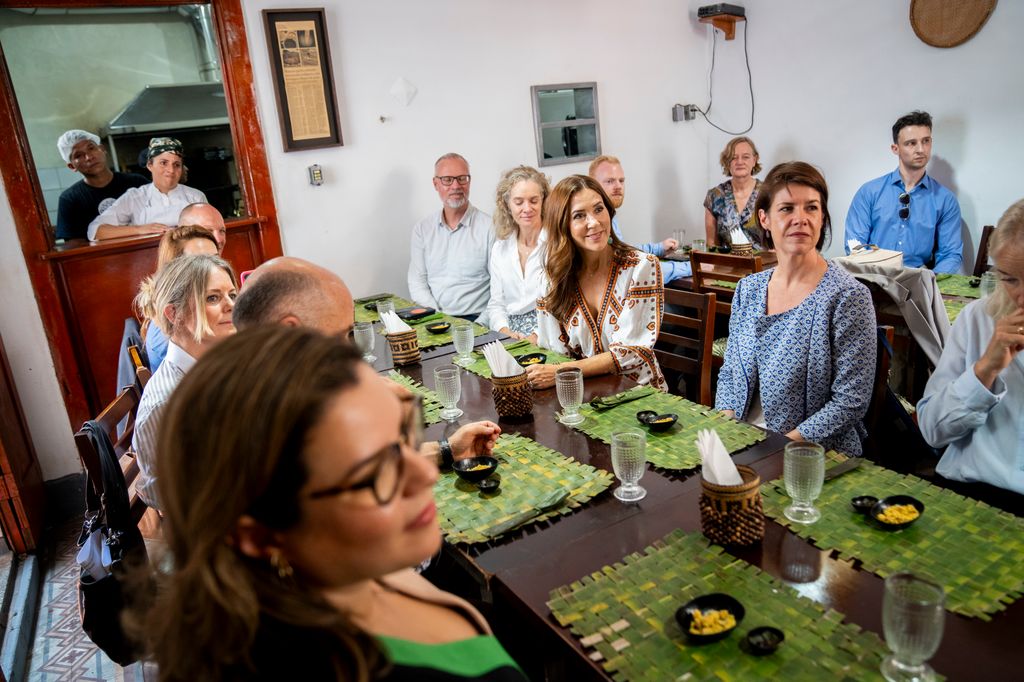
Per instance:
(123,407)
(881,383)
(684,344)
(142,373)
(981,262)
(721,267)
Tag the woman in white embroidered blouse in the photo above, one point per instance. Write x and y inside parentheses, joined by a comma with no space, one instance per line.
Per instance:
(605,299)
(517,257)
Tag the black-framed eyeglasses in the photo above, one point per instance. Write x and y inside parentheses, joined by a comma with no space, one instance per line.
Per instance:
(447,180)
(905,208)
(384,471)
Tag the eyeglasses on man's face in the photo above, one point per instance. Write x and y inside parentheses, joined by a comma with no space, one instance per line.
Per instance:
(905,207)
(447,180)
(383,472)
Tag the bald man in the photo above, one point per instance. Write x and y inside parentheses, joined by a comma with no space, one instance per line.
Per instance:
(297,293)
(205,215)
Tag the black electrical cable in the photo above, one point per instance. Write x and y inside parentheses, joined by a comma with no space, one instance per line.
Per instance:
(750,83)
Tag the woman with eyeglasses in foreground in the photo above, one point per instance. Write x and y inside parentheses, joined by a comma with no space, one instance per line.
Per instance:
(294,510)
(974,399)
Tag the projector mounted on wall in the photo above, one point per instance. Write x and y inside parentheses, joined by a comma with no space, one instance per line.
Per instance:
(721,9)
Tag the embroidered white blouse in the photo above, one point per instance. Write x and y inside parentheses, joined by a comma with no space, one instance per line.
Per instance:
(627,323)
(513,291)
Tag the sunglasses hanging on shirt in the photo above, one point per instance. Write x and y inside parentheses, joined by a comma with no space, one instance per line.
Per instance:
(905,207)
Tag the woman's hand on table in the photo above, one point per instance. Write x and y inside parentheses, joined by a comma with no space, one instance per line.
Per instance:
(511,334)
(473,440)
(542,376)
(532,338)
(1007,340)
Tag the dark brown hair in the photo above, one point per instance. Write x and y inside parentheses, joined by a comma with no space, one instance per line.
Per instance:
(794,173)
(914,118)
(564,258)
(259,393)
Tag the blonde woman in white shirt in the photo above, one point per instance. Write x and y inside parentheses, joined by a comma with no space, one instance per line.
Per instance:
(517,257)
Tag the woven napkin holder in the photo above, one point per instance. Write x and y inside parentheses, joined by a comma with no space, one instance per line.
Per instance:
(732,514)
(405,347)
(513,396)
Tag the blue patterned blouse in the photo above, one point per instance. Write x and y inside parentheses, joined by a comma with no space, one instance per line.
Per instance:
(721,202)
(813,365)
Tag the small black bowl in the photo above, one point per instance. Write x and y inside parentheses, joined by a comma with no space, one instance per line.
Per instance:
(439,327)
(709,602)
(645,416)
(489,485)
(663,422)
(466,470)
(974,282)
(864,503)
(764,640)
(890,501)
(372,305)
(531,359)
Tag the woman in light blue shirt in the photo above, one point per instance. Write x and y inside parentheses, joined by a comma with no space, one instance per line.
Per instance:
(974,401)
(801,352)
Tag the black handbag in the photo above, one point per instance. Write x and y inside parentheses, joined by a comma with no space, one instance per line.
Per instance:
(128,581)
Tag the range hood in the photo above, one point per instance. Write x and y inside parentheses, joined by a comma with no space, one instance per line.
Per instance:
(161,108)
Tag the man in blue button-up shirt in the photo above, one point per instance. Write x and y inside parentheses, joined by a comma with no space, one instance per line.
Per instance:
(907,210)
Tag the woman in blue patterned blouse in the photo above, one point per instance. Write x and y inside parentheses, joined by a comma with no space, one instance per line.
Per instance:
(801,352)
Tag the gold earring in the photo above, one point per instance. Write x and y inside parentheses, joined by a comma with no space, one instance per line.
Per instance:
(280,564)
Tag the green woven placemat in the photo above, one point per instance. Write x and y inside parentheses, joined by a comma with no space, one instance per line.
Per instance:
(431,405)
(722,283)
(364,315)
(675,448)
(953,308)
(428,340)
(718,347)
(625,614)
(480,366)
(957,285)
(973,550)
(529,473)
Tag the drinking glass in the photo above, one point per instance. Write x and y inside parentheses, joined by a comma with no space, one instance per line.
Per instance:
(628,462)
(989,282)
(803,470)
(569,386)
(448,384)
(462,337)
(364,337)
(387,305)
(678,236)
(912,619)
(699,245)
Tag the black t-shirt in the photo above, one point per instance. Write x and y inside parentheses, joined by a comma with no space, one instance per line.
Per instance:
(80,203)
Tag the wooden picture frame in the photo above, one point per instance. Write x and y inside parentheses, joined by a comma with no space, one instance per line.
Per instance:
(300,60)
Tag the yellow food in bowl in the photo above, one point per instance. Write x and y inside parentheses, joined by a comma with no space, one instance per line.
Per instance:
(899,513)
(478,467)
(531,361)
(662,421)
(711,622)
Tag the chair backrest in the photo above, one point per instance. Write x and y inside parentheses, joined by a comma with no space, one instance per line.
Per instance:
(711,267)
(123,408)
(142,373)
(981,262)
(886,334)
(684,344)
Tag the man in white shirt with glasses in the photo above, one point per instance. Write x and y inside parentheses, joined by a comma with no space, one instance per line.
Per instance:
(450,247)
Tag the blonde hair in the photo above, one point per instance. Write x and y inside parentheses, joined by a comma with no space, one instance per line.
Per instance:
(172,244)
(604,158)
(730,148)
(504,223)
(181,284)
(1009,232)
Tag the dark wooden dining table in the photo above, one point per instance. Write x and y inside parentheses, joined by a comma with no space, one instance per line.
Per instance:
(511,578)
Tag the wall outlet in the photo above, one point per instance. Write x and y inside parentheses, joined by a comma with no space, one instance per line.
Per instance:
(684,112)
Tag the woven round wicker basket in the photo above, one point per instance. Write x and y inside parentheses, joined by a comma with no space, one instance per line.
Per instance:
(948,23)
(513,396)
(405,347)
(732,514)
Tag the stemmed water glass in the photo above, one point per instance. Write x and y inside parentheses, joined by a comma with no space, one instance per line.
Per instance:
(569,387)
(629,462)
(364,337)
(912,619)
(448,385)
(462,337)
(804,473)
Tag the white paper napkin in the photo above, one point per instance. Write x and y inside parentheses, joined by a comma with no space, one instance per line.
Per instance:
(393,323)
(500,361)
(717,466)
(738,237)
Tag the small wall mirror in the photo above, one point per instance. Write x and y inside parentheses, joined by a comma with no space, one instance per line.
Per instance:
(565,123)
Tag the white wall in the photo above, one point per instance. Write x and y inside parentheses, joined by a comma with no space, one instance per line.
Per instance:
(830,78)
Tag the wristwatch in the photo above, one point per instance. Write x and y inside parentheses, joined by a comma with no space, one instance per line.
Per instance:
(447,456)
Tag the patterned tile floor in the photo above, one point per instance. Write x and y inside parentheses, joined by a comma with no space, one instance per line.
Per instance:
(61,651)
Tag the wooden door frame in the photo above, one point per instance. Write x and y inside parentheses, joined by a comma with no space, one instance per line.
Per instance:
(29,209)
